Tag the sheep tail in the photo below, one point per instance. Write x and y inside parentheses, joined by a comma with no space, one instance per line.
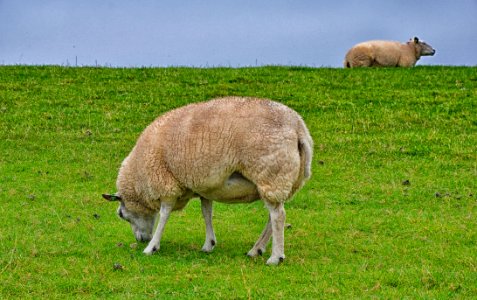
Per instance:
(306,152)
(305,149)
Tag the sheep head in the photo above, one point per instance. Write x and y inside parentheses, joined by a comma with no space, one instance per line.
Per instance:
(422,48)
(142,224)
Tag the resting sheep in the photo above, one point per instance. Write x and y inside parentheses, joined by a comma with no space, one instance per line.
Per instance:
(231,150)
(387,54)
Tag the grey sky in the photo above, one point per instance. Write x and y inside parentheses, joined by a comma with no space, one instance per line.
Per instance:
(227,33)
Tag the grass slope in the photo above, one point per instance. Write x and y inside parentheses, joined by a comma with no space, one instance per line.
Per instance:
(390,211)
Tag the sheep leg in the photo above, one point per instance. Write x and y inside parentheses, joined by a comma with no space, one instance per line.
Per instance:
(261,244)
(155,243)
(277,219)
(210,240)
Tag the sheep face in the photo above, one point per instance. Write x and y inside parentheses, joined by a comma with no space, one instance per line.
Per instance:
(141,225)
(425,49)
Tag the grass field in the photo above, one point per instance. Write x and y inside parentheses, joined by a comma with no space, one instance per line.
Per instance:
(390,212)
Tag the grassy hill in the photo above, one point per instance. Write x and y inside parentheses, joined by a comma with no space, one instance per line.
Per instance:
(390,212)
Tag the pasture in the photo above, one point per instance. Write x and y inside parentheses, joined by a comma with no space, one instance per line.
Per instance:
(390,210)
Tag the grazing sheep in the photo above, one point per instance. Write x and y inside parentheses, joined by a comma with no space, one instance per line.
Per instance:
(231,150)
(387,54)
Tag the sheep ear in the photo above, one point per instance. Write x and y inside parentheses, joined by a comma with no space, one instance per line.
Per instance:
(112,197)
(416,40)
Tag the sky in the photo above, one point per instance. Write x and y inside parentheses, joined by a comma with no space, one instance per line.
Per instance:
(226,33)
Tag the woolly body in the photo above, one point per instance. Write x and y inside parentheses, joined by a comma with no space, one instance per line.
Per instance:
(229,150)
(387,54)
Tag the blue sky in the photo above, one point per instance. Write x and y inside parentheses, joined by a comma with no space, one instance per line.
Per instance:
(227,33)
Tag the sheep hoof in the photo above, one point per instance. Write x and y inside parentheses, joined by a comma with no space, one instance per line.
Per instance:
(150,250)
(208,246)
(274,261)
(255,252)
(207,249)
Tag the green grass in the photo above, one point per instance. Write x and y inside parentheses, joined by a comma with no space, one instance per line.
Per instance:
(358,229)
